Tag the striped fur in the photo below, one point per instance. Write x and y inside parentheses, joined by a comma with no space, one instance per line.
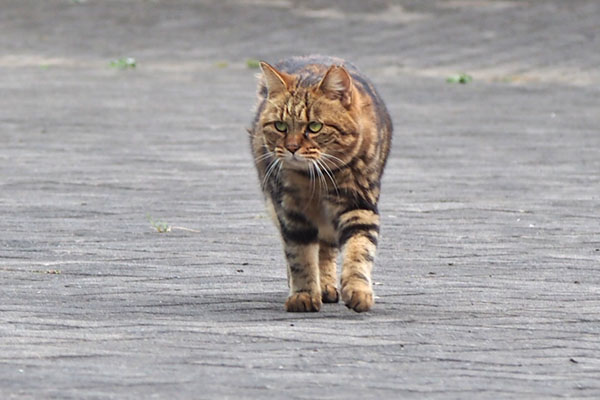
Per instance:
(322,187)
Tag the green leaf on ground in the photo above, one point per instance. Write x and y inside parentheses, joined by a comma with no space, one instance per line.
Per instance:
(160,226)
(123,63)
(459,78)
(252,63)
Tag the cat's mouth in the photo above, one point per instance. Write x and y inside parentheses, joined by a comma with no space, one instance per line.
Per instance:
(296,161)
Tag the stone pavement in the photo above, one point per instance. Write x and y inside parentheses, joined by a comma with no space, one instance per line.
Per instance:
(487,275)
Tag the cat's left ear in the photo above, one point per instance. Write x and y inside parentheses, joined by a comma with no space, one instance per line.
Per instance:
(337,84)
(275,80)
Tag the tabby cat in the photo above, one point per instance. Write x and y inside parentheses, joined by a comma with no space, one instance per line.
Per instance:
(320,140)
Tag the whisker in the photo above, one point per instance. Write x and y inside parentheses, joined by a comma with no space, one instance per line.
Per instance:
(312,179)
(329,174)
(270,170)
(263,156)
(322,181)
(317,175)
(327,155)
(279,170)
(334,160)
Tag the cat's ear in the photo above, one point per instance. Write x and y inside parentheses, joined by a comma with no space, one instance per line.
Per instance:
(337,84)
(276,81)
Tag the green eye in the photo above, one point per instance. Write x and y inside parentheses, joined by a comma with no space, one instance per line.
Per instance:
(281,126)
(315,127)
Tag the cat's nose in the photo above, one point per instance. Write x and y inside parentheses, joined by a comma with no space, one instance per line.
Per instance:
(292,147)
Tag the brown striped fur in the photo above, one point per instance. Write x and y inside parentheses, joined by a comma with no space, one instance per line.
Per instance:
(322,188)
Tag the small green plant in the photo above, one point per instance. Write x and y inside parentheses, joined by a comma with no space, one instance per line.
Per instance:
(459,78)
(123,63)
(252,63)
(221,64)
(161,227)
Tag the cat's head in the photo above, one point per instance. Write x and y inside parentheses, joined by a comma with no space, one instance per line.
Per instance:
(309,120)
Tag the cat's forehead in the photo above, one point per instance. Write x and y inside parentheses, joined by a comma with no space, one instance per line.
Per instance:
(296,105)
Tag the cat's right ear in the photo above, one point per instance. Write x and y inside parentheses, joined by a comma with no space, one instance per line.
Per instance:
(276,81)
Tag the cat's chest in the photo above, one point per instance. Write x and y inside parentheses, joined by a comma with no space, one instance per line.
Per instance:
(309,194)
(309,187)
(320,182)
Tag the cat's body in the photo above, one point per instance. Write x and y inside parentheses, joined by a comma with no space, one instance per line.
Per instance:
(320,140)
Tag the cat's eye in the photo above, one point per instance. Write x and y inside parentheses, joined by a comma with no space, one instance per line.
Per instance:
(315,127)
(281,126)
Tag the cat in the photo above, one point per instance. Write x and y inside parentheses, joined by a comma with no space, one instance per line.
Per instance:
(320,140)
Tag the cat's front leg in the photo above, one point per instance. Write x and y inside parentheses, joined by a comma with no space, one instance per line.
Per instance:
(327,271)
(358,232)
(302,254)
(303,272)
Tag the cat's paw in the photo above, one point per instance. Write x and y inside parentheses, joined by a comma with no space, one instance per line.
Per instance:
(357,298)
(330,294)
(303,302)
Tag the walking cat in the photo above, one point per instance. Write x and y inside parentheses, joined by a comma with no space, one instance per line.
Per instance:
(320,140)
